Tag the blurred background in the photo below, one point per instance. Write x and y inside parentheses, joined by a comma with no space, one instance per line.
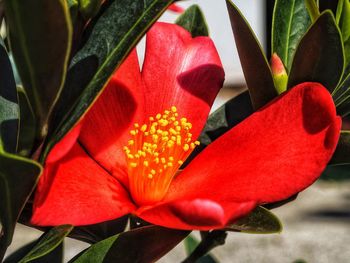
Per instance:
(316,224)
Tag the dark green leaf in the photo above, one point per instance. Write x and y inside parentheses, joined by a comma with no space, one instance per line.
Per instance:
(9,111)
(341,155)
(115,33)
(145,244)
(223,119)
(18,177)
(319,56)
(260,221)
(27,124)
(48,242)
(343,108)
(227,116)
(290,22)
(343,20)
(193,21)
(97,232)
(337,173)
(55,256)
(256,69)
(40,36)
(190,244)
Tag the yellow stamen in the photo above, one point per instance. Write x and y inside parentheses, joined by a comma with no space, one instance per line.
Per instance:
(155,152)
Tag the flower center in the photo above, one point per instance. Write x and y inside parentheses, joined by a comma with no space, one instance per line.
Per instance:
(154,154)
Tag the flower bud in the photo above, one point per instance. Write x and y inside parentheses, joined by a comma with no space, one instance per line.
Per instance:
(279,73)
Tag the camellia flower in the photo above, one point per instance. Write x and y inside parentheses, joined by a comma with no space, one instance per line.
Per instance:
(125,154)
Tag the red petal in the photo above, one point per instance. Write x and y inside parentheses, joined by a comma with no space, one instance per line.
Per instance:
(196,214)
(176,8)
(107,124)
(64,145)
(78,191)
(275,153)
(181,71)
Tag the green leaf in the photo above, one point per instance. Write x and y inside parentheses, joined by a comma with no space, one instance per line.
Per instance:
(48,242)
(255,66)
(227,116)
(193,21)
(343,20)
(290,22)
(313,10)
(18,177)
(113,36)
(190,244)
(336,173)
(27,124)
(40,35)
(320,55)
(55,256)
(89,8)
(9,110)
(97,232)
(341,155)
(260,221)
(145,244)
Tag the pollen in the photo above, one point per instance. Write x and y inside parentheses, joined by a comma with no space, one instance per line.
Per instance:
(155,152)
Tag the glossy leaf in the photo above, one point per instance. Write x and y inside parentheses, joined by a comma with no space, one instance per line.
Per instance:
(255,66)
(190,245)
(193,21)
(18,177)
(97,232)
(260,221)
(223,119)
(145,244)
(343,20)
(55,256)
(312,8)
(227,116)
(9,111)
(290,22)
(89,8)
(27,124)
(40,36)
(48,242)
(115,33)
(319,56)
(336,173)
(342,152)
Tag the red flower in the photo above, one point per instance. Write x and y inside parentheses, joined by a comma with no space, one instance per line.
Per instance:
(176,8)
(277,152)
